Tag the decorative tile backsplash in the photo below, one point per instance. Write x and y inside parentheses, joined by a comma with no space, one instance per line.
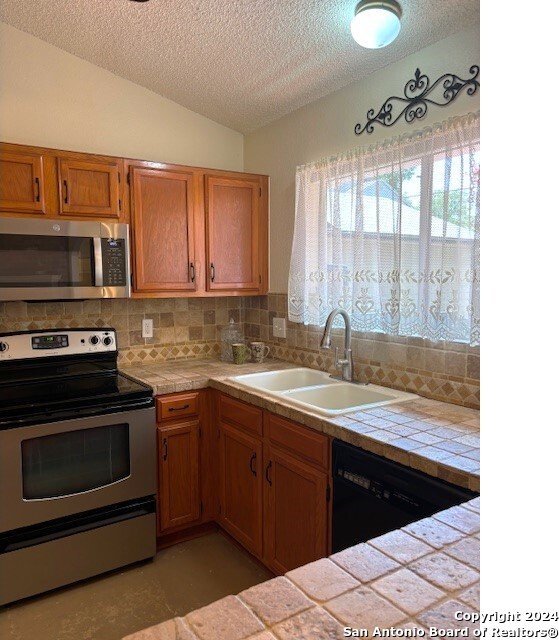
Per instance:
(182,327)
(190,328)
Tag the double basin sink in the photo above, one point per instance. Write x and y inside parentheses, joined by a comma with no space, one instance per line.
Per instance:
(316,391)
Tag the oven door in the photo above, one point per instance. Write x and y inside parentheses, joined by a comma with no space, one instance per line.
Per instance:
(62,468)
(63,260)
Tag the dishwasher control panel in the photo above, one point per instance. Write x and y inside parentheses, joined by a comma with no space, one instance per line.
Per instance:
(377,488)
(362,481)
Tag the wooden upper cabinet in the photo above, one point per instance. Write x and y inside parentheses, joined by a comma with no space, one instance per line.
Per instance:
(234,233)
(179,490)
(22,183)
(295,511)
(88,188)
(240,495)
(163,205)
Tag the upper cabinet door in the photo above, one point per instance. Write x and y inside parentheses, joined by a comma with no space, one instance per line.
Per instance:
(89,188)
(22,184)
(233,219)
(163,230)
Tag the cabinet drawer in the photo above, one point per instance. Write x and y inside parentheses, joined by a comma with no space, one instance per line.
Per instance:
(177,405)
(304,443)
(240,414)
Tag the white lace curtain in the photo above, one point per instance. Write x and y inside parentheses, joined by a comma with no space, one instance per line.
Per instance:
(391,234)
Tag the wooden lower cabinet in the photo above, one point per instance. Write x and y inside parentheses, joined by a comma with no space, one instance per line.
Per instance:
(240,491)
(179,482)
(295,511)
(264,479)
(274,485)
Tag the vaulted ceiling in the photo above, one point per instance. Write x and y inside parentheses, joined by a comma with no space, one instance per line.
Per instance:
(243,63)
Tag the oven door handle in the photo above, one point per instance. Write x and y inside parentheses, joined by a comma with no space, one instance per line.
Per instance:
(98,261)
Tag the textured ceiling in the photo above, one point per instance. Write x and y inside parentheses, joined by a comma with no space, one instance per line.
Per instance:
(243,63)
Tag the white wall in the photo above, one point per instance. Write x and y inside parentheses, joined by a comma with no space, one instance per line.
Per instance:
(51,98)
(325,127)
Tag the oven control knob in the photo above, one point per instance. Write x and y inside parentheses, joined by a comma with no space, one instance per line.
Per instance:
(94,340)
(3,347)
(107,341)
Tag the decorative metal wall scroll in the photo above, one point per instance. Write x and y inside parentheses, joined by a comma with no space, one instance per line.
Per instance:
(419,93)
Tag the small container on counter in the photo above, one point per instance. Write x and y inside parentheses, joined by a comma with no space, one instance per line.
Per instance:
(241,353)
(231,334)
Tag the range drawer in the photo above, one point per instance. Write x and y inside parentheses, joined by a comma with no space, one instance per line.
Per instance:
(177,405)
(240,414)
(306,444)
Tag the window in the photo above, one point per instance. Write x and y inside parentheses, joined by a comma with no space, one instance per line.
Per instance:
(391,234)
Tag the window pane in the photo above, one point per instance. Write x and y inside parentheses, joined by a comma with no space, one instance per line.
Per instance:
(378,201)
(453,208)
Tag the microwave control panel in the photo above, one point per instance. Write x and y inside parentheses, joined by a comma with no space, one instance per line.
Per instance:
(114,262)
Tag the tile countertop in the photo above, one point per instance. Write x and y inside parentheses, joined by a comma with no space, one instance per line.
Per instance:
(435,437)
(415,577)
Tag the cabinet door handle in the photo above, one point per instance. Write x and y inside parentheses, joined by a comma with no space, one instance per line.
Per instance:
(268,480)
(192,272)
(179,408)
(212,271)
(165,449)
(251,464)
(66,191)
(38,184)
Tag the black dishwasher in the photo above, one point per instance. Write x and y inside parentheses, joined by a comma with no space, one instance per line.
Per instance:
(373,495)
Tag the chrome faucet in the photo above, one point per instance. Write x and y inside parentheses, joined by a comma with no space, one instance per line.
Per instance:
(345,363)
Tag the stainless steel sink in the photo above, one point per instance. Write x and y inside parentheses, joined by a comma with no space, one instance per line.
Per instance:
(317,391)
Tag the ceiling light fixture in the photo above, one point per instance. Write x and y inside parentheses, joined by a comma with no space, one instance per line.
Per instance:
(376,23)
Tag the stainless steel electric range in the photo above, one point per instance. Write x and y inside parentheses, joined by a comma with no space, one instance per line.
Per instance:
(77,461)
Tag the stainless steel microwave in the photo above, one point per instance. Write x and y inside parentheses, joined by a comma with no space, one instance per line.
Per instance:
(63,260)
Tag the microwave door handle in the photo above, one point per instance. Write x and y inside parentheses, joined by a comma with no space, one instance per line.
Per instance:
(98,261)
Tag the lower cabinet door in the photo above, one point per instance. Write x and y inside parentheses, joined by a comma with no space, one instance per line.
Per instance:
(240,495)
(179,488)
(295,511)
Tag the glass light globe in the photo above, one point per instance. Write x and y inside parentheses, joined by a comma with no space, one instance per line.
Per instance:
(374,27)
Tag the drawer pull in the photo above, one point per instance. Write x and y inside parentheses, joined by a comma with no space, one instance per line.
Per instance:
(186,406)
(250,464)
